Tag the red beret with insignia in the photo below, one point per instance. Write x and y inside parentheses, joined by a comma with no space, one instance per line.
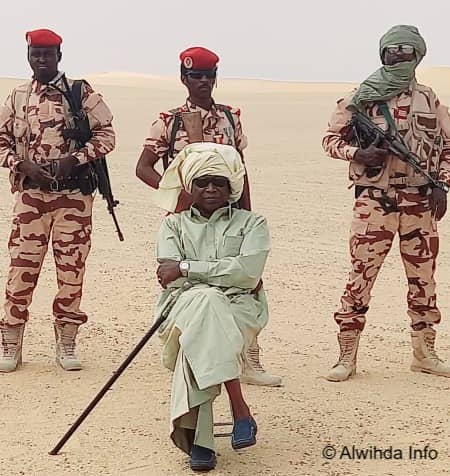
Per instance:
(43,38)
(198,57)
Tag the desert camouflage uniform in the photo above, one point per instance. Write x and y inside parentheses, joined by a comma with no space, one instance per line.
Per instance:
(216,128)
(35,132)
(394,200)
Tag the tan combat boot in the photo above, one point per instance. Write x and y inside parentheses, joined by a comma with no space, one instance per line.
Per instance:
(425,358)
(11,347)
(253,372)
(65,335)
(346,365)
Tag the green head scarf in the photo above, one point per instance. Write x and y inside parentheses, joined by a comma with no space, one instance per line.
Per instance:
(389,80)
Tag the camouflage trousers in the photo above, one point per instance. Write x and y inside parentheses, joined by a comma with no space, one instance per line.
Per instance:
(37,217)
(371,235)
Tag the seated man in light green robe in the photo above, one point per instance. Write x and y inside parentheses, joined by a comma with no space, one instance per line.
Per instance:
(211,261)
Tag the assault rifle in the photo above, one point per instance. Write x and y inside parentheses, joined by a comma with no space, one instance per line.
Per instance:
(366,132)
(94,174)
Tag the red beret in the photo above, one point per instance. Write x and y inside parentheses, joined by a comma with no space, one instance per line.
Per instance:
(198,58)
(43,38)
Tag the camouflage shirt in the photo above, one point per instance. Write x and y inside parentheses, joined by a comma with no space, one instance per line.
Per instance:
(337,147)
(216,128)
(47,118)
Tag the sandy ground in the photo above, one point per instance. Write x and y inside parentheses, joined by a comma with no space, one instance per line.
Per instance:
(305,198)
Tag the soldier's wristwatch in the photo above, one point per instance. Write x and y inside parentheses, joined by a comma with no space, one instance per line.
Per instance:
(184,268)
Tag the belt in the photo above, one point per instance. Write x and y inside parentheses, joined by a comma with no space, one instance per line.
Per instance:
(402,182)
(55,185)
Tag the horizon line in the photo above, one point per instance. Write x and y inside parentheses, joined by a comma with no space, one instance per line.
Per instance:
(230,78)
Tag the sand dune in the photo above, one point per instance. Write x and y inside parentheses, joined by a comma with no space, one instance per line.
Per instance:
(305,198)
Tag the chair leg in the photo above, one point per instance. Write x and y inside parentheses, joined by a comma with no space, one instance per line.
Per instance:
(223,435)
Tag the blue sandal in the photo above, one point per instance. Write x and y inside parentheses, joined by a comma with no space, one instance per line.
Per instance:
(244,433)
(202,459)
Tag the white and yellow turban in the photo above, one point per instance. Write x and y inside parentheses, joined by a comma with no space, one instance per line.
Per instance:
(196,160)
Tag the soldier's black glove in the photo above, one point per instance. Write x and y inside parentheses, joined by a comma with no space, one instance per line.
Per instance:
(371,157)
(38,174)
(438,203)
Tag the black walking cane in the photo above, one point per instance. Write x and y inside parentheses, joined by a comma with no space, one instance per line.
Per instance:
(165,312)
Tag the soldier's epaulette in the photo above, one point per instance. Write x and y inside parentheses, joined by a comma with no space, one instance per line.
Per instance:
(233,110)
(175,110)
(170,113)
(236,110)
(22,87)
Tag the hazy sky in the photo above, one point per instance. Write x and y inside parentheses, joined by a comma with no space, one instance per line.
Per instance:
(285,39)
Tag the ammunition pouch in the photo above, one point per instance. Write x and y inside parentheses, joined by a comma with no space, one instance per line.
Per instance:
(87,179)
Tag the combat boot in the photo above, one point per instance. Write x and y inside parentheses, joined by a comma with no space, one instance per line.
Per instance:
(65,334)
(425,358)
(346,365)
(11,347)
(253,372)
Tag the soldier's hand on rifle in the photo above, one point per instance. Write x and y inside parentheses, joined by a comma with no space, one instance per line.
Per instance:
(168,271)
(438,203)
(38,174)
(184,201)
(371,157)
(65,168)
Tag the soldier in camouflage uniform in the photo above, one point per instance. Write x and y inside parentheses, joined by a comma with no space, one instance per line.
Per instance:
(48,202)
(170,133)
(391,197)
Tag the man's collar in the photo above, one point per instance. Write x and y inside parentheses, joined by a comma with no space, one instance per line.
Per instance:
(57,78)
(38,86)
(227,210)
(191,107)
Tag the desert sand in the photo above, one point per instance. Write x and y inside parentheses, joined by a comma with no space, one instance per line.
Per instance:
(304,195)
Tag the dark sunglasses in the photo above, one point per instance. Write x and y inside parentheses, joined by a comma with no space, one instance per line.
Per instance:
(407,49)
(210,74)
(203,182)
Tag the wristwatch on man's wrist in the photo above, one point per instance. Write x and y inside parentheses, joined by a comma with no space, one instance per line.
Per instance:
(184,268)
